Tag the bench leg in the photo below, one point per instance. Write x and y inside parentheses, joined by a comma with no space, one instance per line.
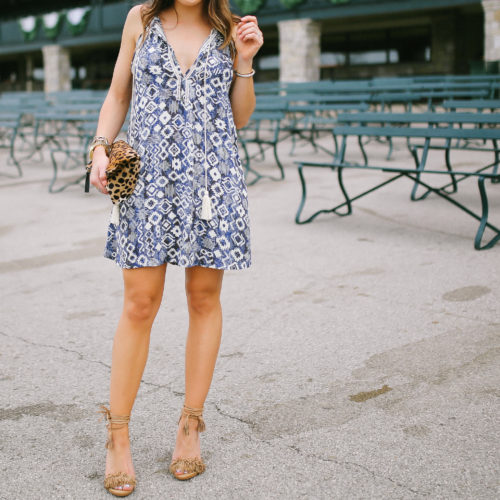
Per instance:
(248,158)
(347,204)
(294,141)
(12,157)
(391,148)
(258,141)
(262,152)
(483,223)
(497,161)
(363,152)
(447,155)
(348,201)
(315,134)
(248,168)
(54,176)
(303,198)
(335,144)
(420,164)
(483,218)
(308,136)
(278,162)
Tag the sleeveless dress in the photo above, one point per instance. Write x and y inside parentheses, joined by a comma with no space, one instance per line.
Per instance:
(183,129)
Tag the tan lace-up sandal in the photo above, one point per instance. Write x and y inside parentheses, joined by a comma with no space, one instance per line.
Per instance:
(112,482)
(189,467)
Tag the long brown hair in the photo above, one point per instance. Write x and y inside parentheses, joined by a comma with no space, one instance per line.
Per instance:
(219,15)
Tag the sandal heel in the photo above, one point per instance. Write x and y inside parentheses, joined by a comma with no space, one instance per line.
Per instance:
(117,479)
(191,466)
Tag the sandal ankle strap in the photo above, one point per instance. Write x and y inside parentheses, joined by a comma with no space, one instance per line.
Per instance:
(196,413)
(113,422)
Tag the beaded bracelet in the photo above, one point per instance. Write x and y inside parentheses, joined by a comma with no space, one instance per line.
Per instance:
(99,141)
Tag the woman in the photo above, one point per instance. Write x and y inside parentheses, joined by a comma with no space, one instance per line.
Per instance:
(185,66)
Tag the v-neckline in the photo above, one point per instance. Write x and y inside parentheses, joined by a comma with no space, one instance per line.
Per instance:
(172,51)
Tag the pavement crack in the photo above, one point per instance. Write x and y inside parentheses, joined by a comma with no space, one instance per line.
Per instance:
(58,347)
(311,455)
(234,417)
(82,357)
(158,387)
(354,464)
(249,434)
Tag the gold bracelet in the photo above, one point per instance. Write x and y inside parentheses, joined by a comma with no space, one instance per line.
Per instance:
(99,141)
(245,75)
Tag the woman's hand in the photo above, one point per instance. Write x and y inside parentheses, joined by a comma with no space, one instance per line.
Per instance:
(249,38)
(98,173)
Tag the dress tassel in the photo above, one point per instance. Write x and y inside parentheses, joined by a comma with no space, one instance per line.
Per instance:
(206,207)
(115,215)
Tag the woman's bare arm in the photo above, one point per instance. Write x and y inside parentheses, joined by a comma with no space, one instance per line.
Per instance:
(242,94)
(115,106)
(248,40)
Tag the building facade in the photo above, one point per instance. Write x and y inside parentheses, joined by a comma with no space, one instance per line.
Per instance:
(60,45)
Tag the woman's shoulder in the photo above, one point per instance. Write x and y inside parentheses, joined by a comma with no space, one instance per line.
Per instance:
(135,14)
(133,24)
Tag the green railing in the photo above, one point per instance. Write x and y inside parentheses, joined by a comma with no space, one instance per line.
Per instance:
(271,11)
(104,21)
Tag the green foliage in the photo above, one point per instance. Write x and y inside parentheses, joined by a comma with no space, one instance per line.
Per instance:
(76,22)
(29,27)
(249,6)
(77,19)
(51,24)
(291,3)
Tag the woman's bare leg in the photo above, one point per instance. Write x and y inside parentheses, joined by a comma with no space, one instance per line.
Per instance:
(143,290)
(203,287)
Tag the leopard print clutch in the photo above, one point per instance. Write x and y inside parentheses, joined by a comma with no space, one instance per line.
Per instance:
(122,171)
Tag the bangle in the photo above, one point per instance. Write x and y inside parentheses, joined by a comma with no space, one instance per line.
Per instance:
(245,75)
(99,141)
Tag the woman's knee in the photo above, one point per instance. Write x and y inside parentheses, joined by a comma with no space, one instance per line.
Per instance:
(141,307)
(202,301)
(143,293)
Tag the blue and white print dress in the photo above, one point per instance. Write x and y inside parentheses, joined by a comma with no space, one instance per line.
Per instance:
(182,126)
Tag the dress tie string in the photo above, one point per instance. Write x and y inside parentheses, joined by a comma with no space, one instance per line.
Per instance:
(179,88)
(206,204)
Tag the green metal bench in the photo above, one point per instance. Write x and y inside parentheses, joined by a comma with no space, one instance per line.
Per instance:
(57,127)
(9,126)
(76,152)
(328,98)
(449,120)
(263,129)
(309,121)
(274,121)
(414,174)
(430,98)
(74,155)
(475,104)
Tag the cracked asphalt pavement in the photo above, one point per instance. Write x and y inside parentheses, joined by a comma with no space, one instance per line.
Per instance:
(359,359)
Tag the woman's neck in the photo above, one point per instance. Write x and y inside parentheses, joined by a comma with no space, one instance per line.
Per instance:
(188,14)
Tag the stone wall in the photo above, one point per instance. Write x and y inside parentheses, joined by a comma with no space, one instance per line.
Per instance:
(56,65)
(491,30)
(300,50)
